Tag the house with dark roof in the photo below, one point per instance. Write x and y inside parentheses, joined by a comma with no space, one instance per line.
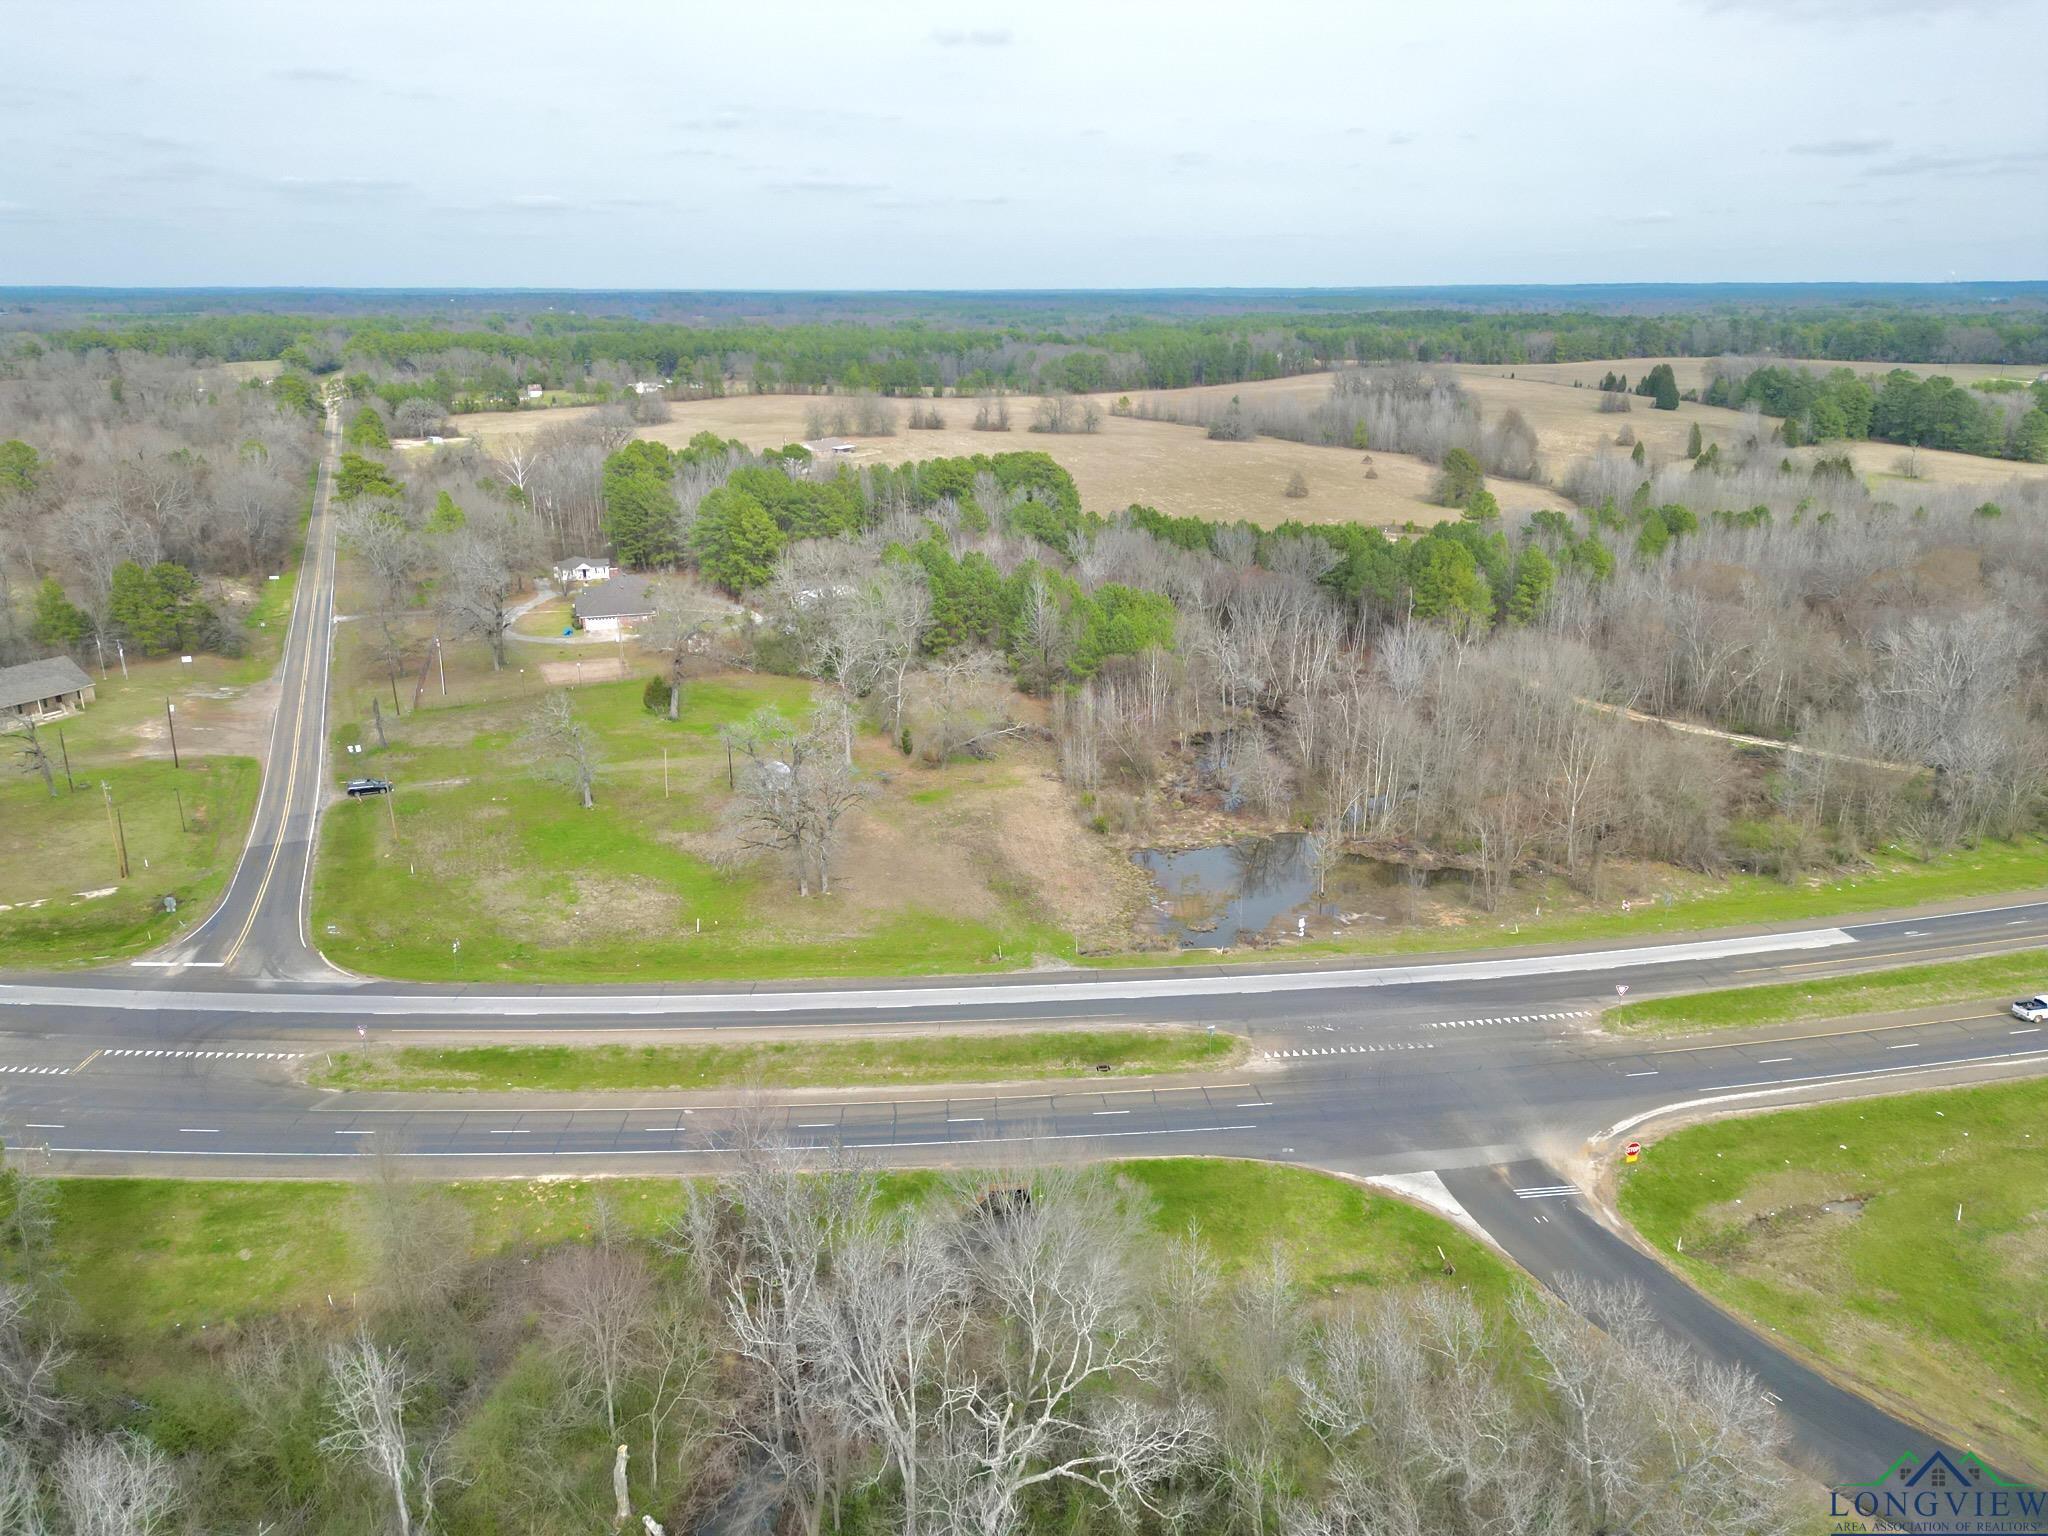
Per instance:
(614,607)
(40,689)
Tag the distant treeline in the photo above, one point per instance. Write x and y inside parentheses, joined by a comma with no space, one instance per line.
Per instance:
(1899,407)
(490,356)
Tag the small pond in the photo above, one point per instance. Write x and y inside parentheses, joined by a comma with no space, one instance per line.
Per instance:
(1227,893)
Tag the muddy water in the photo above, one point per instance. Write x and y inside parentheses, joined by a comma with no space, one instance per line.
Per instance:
(1231,893)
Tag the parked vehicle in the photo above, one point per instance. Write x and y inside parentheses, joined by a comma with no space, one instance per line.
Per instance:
(355,789)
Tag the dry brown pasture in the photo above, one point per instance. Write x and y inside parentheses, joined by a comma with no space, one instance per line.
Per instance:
(1176,469)
(1569,424)
(1179,470)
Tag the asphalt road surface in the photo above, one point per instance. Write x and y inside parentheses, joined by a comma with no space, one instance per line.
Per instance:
(1486,1071)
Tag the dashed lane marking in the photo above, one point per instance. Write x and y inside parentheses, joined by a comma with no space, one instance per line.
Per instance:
(1347,1050)
(39,1071)
(169,1054)
(1511,1018)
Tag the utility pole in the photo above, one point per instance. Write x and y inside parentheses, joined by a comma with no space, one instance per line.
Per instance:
(377,718)
(171,721)
(394,696)
(121,832)
(96,640)
(391,805)
(67,761)
(441,662)
(114,830)
(121,651)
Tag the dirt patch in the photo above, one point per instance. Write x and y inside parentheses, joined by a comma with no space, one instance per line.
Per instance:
(2024,1254)
(212,722)
(1079,879)
(591,669)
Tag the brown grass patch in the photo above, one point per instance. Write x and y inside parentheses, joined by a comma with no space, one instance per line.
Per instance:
(1158,464)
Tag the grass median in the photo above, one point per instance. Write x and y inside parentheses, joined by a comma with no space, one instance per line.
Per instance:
(147,1259)
(1833,997)
(1902,1241)
(908,1062)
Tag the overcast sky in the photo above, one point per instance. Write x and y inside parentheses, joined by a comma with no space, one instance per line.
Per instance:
(1067,143)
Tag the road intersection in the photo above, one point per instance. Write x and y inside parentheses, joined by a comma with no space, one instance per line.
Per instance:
(1487,1072)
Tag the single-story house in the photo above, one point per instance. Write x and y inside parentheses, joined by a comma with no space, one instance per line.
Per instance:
(583,568)
(616,606)
(40,689)
(648,386)
(534,391)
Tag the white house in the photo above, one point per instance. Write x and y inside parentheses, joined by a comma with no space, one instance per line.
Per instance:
(534,391)
(616,606)
(580,568)
(648,387)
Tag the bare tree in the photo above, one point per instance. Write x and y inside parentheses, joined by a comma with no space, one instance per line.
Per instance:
(794,790)
(21,1505)
(388,549)
(34,757)
(418,416)
(116,1485)
(888,1331)
(560,748)
(786,1226)
(370,1389)
(1049,1275)
(598,1296)
(32,1357)
(477,590)
(960,706)
(417,1234)
(680,629)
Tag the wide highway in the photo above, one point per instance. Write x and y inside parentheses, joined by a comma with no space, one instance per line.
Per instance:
(1481,1082)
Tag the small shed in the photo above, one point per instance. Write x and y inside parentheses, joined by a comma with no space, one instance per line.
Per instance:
(831,448)
(616,606)
(581,568)
(38,690)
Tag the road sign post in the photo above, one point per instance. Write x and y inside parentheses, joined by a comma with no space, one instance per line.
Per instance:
(1632,1153)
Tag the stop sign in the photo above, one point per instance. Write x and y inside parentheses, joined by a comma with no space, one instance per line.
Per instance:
(1633,1152)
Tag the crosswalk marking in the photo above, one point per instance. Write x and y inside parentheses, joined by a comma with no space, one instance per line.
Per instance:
(1511,1018)
(169,1054)
(39,1071)
(1547,1192)
(1347,1050)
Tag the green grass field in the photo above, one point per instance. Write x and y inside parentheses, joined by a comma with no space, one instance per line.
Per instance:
(69,905)
(1933,1292)
(531,885)
(780,1064)
(47,919)
(149,1259)
(1987,979)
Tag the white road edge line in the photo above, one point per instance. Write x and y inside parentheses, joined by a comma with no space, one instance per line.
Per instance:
(361,1001)
(1790,1084)
(865,1146)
